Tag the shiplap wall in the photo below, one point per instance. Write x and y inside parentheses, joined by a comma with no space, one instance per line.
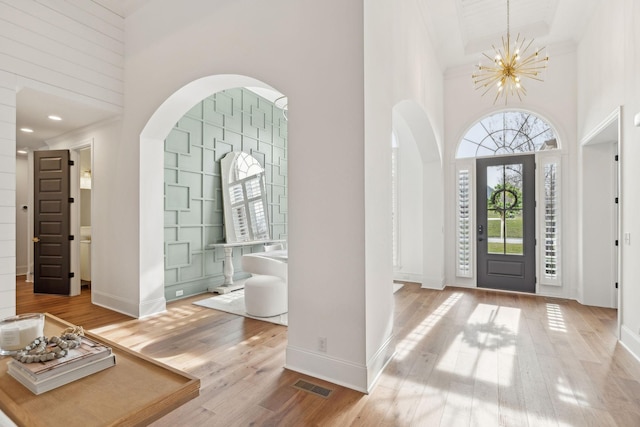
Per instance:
(70,47)
(232,120)
(74,45)
(7,194)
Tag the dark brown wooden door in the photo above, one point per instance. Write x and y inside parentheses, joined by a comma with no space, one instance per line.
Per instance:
(51,217)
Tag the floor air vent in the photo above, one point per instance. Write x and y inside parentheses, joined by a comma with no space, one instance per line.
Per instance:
(312,388)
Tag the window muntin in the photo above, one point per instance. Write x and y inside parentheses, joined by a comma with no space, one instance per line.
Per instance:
(506,133)
(505,210)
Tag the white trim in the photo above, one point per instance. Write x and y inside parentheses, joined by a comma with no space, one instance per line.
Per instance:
(115,303)
(604,124)
(469,166)
(150,307)
(74,222)
(74,152)
(591,138)
(543,159)
(433,283)
(630,341)
(379,361)
(408,277)
(327,368)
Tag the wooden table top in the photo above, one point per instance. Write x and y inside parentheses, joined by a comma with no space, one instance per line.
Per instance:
(136,391)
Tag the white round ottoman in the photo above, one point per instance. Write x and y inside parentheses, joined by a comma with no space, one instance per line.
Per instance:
(265,296)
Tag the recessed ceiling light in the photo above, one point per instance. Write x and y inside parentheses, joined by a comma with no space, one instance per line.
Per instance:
(56,118)
(27,130)
(22,152)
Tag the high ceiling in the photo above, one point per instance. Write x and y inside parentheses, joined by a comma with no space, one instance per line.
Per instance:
(461,30)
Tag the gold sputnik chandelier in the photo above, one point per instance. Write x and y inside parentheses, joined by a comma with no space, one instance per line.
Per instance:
(509,66)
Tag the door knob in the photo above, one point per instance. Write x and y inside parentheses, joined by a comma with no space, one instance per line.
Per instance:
(36,239)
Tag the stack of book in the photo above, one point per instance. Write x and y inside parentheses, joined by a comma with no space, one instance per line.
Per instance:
(90,357)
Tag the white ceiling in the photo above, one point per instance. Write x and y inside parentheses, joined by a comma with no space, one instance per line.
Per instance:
(461,30)
(32,111)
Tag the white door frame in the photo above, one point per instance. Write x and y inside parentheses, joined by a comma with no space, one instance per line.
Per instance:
(76,283)
(609,131)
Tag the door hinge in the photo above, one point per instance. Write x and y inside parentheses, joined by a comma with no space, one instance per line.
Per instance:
(617,158)
(616,243)
(72,275)
(71,163)
(616,200)
(71,200)
(616,285)
(72,237)
(535,242)
(535,279)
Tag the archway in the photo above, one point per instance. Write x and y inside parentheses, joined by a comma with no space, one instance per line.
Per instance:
(151,198)
(495,245)
(421,196)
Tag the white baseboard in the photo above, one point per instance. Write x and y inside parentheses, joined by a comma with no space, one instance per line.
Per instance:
(631,341)
(114,303)
(21,270)
(337,371)
(149,308)
(144,309)
(433,283)
(379,361)
(407,277)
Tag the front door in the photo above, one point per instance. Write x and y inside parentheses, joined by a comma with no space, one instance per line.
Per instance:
(51,223)
(506,223)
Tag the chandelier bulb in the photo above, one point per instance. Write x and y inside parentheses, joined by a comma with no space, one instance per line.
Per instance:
(512,61)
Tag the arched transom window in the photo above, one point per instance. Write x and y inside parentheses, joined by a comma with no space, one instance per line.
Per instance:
(507,132)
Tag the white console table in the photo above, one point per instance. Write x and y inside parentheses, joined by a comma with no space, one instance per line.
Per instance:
(228,270)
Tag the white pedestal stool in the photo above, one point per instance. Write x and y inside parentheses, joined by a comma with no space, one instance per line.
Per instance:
(265,296)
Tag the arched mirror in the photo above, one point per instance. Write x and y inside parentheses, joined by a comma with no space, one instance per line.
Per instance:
(245,198)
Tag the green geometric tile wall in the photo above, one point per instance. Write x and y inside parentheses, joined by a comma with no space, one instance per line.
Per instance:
(232,120)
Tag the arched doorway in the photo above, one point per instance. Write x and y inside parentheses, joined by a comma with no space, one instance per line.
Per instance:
(152,188)
(420,191)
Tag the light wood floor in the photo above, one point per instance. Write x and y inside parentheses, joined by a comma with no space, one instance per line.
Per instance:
(465,358)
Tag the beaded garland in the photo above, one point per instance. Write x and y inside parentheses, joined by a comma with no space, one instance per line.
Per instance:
(43,349)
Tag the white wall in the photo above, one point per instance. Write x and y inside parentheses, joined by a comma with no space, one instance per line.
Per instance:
(378,302)
(597,226)
(606,81)
(400,67)
(22,215)
(416,80)
(555,101)
(72,50)
(107,241)
(630,197)
(72,46)
(7,194)
(311,52)
(410,203)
